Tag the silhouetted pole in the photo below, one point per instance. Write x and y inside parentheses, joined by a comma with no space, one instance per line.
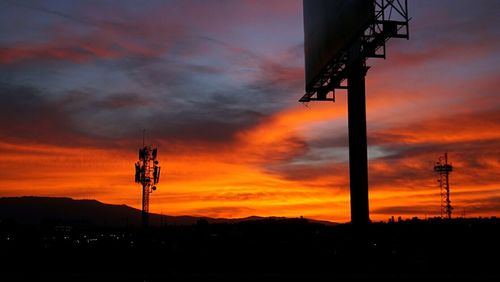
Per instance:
(145,206)
(347,60)
(358,160)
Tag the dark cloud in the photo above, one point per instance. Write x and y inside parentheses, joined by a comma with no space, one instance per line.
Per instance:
(446,33)
(123,100)
(412,150)
(178,99)
(29,115)
(314,171)
(266,84)
(26,115)
(195,108)
(473,206)
(40,8)
(241,196)
(491,205)
(88,38)
(222,211)
(285,73)
(404,156)
(215,125)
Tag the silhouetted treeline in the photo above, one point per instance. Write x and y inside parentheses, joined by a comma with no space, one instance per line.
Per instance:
(254,250)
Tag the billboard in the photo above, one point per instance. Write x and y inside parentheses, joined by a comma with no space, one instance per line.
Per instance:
(329,27)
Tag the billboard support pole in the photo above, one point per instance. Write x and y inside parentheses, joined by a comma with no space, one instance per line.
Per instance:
(339,37)
(358,159)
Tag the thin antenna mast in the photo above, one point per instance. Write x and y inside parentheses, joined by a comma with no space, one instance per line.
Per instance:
(143,137)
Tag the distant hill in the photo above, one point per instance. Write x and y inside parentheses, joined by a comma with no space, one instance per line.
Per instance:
(54,210)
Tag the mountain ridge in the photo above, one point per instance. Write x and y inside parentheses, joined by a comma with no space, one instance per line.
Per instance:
(90,212)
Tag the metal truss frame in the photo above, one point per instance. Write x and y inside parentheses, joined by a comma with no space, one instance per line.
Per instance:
(391,20)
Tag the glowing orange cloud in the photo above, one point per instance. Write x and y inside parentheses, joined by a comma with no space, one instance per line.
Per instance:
(230,182)
(237,179)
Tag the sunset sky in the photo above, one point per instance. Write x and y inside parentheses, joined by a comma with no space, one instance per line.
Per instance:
(216,83)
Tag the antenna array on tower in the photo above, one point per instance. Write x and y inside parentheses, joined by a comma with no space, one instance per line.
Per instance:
(147,173)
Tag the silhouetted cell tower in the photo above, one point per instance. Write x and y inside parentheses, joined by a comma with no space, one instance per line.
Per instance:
(147,173)
(443,169)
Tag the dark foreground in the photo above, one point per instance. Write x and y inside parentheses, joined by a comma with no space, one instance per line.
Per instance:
(265,250)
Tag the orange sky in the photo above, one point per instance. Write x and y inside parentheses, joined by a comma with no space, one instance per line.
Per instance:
(216,86)
(244,178)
